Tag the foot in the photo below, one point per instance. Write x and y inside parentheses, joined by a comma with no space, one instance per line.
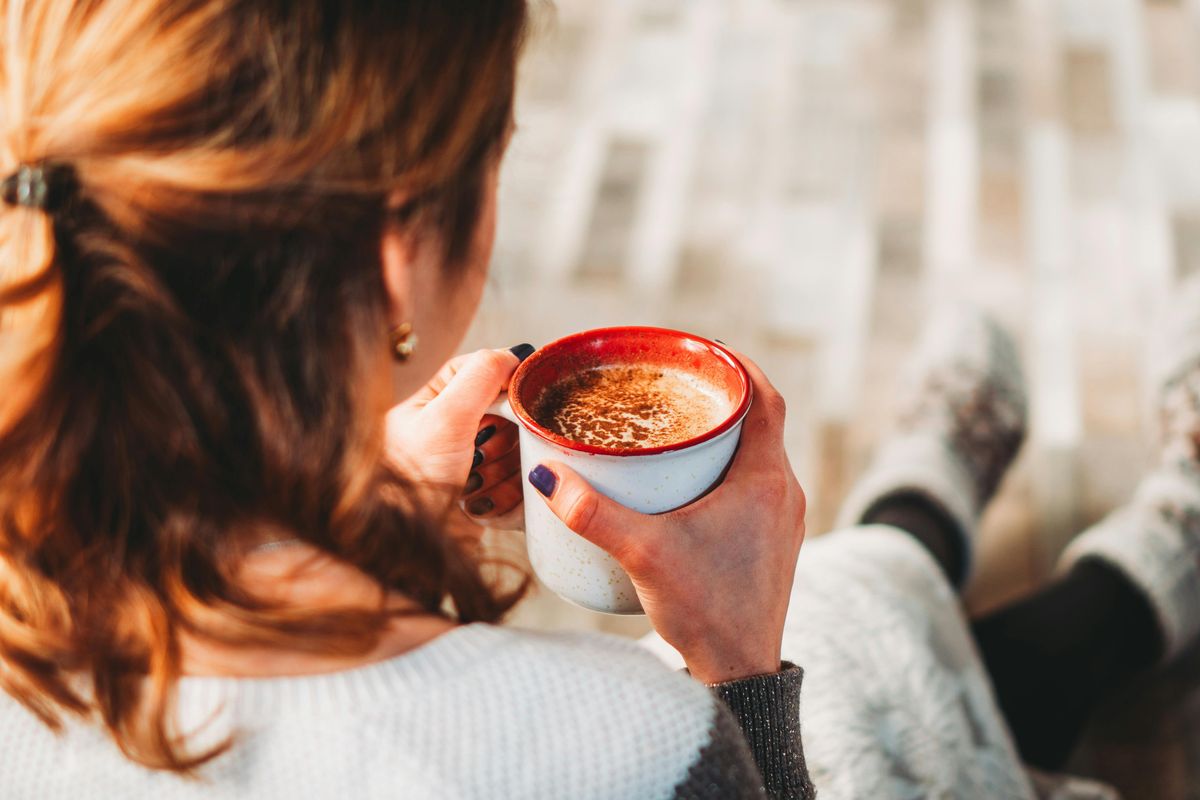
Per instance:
(1155,539)
(961,421)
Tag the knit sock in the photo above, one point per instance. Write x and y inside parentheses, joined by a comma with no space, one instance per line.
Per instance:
(960,419)
(1055,655)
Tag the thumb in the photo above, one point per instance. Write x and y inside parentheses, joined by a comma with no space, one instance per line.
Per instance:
(474,386)
(614,528)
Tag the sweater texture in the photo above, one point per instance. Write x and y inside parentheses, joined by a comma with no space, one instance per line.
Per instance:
(479,712)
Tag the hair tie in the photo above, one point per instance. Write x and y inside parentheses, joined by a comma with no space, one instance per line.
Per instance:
(43,186)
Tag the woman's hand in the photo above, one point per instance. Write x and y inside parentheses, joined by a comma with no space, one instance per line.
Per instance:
(715,576)
(442,437)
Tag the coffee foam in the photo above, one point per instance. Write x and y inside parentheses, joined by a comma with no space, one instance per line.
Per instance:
(628,407)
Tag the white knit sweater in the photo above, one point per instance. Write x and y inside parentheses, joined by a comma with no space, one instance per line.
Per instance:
(896,705)
(480,712)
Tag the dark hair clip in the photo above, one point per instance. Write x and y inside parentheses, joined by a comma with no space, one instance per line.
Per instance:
(45,186)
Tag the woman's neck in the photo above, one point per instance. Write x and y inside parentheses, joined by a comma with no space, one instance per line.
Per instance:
(297,575)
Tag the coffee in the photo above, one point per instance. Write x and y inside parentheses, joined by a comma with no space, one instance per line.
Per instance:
(630,407)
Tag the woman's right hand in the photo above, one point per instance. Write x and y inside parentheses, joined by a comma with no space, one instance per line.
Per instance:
(715,576)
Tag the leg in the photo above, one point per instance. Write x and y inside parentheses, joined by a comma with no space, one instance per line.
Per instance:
(896,701)
(928,524)
(1130,594)
(961,420)
(1054,655)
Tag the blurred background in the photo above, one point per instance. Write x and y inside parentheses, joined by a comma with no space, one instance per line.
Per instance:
(805,179)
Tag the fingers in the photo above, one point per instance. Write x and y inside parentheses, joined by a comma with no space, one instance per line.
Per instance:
(496,436)
(487,475)
(496,456)
(612,527)
(473,384)
(496,500)
(494,486)
(761,445)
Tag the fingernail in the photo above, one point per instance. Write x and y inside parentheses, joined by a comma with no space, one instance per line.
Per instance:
(543,480)
(484,435)
(480,506)
(474,481)
(477,460)
(522,351)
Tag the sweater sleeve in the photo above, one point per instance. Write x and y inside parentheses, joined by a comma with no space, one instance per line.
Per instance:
(754,748)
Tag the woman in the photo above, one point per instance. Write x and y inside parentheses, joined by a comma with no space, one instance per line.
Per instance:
(224,225)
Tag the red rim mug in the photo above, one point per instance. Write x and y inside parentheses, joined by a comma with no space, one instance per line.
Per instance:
(649,480)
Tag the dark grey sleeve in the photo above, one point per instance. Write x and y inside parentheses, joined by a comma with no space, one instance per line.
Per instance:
(725,769)
(754,750)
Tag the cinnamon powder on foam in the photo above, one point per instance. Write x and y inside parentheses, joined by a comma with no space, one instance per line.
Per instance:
(631,407)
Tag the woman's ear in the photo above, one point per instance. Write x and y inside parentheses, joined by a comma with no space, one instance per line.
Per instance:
(397,253)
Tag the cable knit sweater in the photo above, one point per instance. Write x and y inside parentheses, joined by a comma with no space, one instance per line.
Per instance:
(480,712)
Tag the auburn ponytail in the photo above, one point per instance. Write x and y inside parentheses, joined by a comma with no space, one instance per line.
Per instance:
(194,345)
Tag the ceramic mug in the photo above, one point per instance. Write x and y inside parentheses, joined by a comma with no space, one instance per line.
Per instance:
(650,480)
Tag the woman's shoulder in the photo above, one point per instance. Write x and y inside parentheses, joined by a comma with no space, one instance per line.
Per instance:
(590,710)
(577,648)
(497,680)
(572,664)
(481,711)
(486,711)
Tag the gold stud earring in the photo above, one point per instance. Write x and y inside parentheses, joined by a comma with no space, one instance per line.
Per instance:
(404,341)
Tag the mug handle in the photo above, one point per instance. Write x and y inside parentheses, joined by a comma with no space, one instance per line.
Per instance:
(501,408)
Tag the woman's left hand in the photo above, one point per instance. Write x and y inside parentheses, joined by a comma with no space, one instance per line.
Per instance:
(442,437)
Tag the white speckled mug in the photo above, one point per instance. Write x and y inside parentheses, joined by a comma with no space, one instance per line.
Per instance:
(650,480)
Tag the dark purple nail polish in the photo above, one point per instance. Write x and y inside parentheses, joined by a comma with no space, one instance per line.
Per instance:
(484,435)
(522,351)
(477,460)
(543,480)
(474,481)
(480,506)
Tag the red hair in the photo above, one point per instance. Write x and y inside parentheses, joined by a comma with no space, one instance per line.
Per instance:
(195,346)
